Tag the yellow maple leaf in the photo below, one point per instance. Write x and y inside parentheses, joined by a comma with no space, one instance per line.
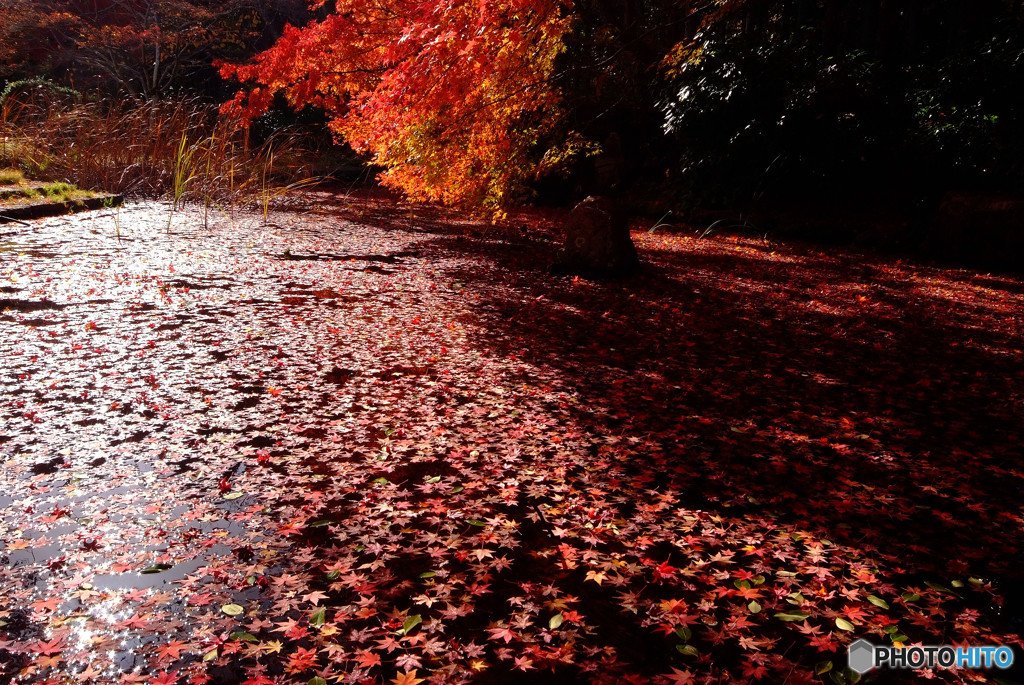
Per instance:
(273,646)
(670,605)
(407,678)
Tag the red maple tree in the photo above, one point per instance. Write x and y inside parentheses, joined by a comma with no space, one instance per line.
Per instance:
(449,97)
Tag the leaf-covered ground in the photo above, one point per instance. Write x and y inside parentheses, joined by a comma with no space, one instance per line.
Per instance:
(371,444)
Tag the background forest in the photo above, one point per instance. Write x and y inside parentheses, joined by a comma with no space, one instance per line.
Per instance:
(896,123)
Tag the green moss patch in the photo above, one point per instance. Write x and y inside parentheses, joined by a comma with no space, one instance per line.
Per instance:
(22,193)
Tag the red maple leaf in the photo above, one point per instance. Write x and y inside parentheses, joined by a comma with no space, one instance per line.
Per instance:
(754,671)
(367,658)
(824,643)
(501,633)
(301,660)
(164,678)
(54,646)
(171,651)
(258,680)
(663,571)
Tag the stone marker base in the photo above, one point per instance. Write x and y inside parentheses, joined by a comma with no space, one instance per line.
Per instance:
(597,241)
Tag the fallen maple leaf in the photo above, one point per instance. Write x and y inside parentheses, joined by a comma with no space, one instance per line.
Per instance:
(679,677)
(501,633)
(172,650)
(54,646)
(408,678)
(164,678)
(367,658)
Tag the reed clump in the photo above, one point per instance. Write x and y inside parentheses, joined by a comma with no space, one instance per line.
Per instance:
(11,176)
(183,150)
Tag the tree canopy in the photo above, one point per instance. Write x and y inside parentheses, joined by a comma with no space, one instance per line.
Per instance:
(448,97)
(469,101)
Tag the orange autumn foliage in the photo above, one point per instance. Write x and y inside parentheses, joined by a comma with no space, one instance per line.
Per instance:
(448,97)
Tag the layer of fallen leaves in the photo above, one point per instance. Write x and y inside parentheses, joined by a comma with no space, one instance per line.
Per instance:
(362,445)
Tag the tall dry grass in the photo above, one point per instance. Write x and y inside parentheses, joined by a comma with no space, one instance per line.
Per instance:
(181,150)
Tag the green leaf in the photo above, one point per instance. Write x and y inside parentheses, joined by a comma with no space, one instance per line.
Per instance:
(957,583)
(556,621)
(911,597)
(457,489)
(795,598)
(822,667)
(233,495)
(243,636)
(410,624)
(321,524)
(476,522)
(434,479)
(940,588)
(318,618)
(232,609)
(684,633)
(878,602)
(757,580)
(688,650)
(334,575)
(837,677)
(156,568)
(754,607)
(211,655)
(792,616)
(381,481)
(428,574)
(316,680)
(843,624)
(976,582)
(741,584)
